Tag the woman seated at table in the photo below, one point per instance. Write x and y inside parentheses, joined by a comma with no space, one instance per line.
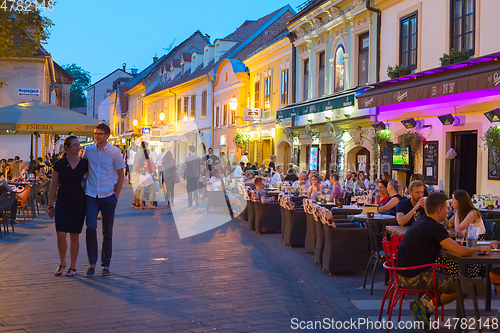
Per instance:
(327,183)
(382,196)
(465,214)
(260,185)
(248,179)
(337,192)
(316,187)
(394,190)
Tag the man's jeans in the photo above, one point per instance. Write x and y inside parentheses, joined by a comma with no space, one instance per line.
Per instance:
(107,207)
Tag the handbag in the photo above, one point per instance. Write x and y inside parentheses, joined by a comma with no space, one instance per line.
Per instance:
(176,177)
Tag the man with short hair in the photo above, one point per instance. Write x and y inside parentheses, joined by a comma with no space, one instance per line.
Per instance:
(212,160)
(259,188)
(244,158)
(410,209)
(302,183)
(192,169)
(277,176)
(364,180)
(428,231)
(238,172)
(104,184)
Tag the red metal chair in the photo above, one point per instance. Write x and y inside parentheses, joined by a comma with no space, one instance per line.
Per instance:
(396,290)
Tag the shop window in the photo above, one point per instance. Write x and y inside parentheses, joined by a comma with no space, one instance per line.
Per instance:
(408,41)
(462,25)
(284,87)
(256,103)
(339,69)
(267,93)
(204,104)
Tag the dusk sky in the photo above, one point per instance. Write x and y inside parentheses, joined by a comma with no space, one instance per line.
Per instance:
(101,35)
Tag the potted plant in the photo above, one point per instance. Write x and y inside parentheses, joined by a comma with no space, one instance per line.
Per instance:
(491,139)
(454,57)
(380,141)
(241,140)
(397,71)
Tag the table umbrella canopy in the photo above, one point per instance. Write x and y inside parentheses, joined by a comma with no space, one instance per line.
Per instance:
(42,118)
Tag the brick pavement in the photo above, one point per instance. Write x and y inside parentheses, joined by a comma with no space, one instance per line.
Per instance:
(226,280)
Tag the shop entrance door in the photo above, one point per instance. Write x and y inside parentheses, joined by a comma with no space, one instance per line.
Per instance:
(463,168)
(266,151)
(287,154)
(363,161)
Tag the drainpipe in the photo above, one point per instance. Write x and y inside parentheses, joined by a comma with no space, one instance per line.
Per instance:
(379,27)
(212,80)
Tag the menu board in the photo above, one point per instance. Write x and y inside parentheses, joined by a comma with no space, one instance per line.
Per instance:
(493,164)
(430,169)
(386,159)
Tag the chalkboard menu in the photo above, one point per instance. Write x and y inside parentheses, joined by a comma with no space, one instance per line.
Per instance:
(386,159)
(493,164)
(431,162)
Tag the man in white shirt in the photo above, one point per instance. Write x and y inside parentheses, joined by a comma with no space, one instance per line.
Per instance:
(244,158)
(366,181)
(302,183)
(130,162)
(152,155)
(104,184)
(238,172)
(277,176)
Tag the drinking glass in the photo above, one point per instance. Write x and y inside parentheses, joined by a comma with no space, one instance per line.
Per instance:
(459,236)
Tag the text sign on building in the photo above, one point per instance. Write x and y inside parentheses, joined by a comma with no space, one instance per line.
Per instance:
(28,92)
(146,130)
(252,114)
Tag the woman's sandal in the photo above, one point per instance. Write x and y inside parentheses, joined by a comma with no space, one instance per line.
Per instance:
(59,270)
(71,272)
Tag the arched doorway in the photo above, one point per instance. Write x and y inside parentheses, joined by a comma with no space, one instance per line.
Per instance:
(284,154)
(358,159)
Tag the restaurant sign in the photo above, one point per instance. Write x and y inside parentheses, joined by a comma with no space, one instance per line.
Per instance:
(252,114)
(28,92)
(146,130)
(320,106)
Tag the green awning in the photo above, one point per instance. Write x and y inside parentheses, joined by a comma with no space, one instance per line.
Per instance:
(325,104)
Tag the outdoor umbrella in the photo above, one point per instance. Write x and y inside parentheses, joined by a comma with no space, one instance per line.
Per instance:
(43,118)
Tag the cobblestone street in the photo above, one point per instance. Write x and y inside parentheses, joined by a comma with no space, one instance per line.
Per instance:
(228,279)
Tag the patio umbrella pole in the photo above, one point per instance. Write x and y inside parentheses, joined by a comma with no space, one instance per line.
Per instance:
(31,153)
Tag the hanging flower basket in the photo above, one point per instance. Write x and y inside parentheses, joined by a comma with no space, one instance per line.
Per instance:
(380,142)
(412,139)
(491,139)
(241,140)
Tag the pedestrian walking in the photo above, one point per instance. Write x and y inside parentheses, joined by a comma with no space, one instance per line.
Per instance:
(67,175)
(170,176)
(104,184)
(146,168)
(192,168)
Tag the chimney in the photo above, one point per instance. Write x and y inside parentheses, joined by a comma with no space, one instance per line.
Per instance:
(133,71)
(124,67)
(155,58)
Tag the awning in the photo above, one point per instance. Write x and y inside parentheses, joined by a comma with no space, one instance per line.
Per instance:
(469,77)
(337,101)
(177,136)
(127,135)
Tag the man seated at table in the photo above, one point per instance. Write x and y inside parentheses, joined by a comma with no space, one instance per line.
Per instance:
(238,172)
(260,185)
(428,230)
(302,183)
(409,210)
(337,191)
(277,176)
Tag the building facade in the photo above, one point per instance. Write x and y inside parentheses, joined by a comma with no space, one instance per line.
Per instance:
(441,105)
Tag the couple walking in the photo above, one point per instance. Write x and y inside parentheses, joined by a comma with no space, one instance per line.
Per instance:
(103,165)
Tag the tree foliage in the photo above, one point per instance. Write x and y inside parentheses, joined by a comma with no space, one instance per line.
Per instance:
(22,32)
(78,88)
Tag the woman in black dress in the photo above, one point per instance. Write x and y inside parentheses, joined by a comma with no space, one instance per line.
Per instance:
(67,174)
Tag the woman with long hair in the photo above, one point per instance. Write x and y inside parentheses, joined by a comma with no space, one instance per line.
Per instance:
(465,213)
(394,190)
(316,187)
(69,213)
(169,174)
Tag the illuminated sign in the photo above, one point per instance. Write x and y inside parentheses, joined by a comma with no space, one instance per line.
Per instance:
(146,130)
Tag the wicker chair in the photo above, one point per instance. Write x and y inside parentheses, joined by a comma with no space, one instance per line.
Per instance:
(254,200)
(310,241)
(320,236)
(267,217)
(342,251)
(295,224)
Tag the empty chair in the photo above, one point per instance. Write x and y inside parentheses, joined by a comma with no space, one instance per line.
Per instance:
(267,217)
(310,241)
(22,199)
(342,251)
(295,224)
(474,288)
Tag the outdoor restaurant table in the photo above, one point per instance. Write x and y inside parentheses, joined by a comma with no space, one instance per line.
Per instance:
(347,210)
(485,212)
(490,259)
(363,218)
(401,230)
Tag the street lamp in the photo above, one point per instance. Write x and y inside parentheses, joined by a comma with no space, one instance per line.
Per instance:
(162,116)
(233,104)
(135,122)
